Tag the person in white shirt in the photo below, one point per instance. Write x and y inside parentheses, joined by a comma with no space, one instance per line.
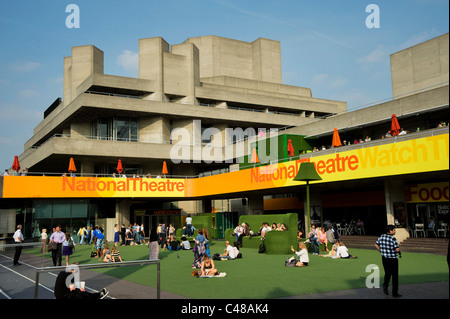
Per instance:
(342,252)
(230,252)
(302,255)
(265,230)
(18,239)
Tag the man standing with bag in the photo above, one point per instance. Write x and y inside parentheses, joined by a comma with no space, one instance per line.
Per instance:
(388,246)
(18,240)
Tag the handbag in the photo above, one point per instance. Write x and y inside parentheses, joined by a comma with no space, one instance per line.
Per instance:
(71,244)
(262,248)
(52,245)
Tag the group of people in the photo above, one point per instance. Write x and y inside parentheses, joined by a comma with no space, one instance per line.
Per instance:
(129,236)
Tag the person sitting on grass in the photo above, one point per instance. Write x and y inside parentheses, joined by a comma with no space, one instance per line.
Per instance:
(174,244)
(105,254)
(185,244)
(302,255)
(115,255)
(208,268)
(230,252)
(342,252)
(332,252)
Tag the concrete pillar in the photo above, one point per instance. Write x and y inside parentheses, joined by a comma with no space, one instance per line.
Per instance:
(154,130)
(123,214)
(80,130)
(191,72)
(206,205)
(67,81)
(87,168)
(266,60)
(255,204)
(394,191)
(151,64)
(86,60)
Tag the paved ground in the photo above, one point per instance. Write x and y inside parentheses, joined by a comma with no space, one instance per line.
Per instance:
(18,282)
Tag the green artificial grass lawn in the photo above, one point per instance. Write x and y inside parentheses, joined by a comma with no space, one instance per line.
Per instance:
(261,276)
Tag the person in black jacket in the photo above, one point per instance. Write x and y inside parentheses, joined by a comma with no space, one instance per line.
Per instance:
(65,290)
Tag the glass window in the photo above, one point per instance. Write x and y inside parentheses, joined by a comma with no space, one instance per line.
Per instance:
(43,209)
(61,208)
(123,129)
(79,208)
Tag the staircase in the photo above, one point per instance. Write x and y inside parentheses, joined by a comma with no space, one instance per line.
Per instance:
(437,246)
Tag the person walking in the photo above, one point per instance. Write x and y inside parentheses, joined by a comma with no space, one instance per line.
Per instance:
(389,248)
(58,237)
(18,240)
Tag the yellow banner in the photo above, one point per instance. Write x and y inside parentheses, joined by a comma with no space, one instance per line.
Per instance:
(426,193)
(90,187)
(407,157)
(412,156)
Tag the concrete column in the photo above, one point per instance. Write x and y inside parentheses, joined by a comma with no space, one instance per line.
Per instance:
(123,214)
(151,64)
(154,130)
(255,205)
(87,168)
(80,130)
(67,81)
(394,191)
(85,61)
(206,205)
(191,68)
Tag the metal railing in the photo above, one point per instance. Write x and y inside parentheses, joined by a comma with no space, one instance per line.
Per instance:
(104,265)
(3,247)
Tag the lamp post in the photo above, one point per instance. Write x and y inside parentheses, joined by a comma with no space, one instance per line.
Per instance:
(306,173)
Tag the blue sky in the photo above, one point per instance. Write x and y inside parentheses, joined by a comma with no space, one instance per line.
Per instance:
(325,45)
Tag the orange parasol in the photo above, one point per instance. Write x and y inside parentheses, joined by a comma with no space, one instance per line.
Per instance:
(16,165)
(290,148)
(255,158)
(395,127)
(336,139)
(119,167)
(72,167)
(164,170)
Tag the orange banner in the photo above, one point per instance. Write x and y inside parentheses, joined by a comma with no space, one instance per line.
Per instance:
(407,157)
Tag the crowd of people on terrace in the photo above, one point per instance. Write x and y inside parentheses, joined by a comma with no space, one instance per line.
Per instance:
(345,142)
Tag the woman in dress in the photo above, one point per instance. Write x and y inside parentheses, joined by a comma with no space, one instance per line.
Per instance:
(68,247)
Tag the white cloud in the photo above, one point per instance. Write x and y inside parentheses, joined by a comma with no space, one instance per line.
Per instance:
(12,112)
(28,94)
(319,78)
(129,61)
(24,67)
(329,81)
(380,54)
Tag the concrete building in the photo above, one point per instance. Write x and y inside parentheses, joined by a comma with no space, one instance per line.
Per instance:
(204,93)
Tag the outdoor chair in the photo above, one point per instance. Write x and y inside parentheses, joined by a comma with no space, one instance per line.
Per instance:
(419,229)
(443,229)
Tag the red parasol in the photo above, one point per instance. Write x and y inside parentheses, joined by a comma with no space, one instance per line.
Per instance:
(16,165)
(336,139)
(119,167)
(395,127)
(164,170)
(290,148)
(255,158)
(72,167)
